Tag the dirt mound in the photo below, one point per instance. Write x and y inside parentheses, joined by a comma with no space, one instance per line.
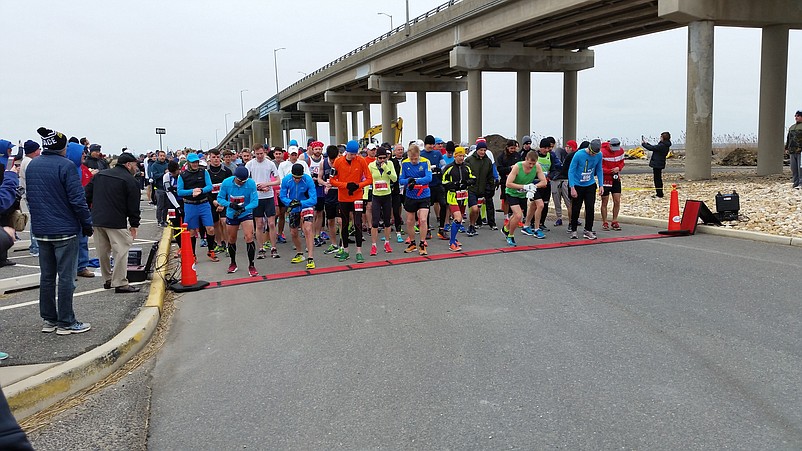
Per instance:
(738,156)
(496,144)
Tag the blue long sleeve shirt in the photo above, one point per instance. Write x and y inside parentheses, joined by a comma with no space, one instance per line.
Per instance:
(229,189)
(422,175)
(434,157)
(303,190)
(584,167)
(188,192)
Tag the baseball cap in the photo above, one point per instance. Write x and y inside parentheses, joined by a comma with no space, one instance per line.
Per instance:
(193,157)
(292,149)
(615,144)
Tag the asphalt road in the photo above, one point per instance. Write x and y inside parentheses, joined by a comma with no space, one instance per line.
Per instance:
(660,344)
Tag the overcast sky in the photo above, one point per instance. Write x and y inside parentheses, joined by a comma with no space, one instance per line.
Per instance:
(114,71)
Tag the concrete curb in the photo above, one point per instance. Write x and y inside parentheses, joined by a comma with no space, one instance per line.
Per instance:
(720,231)
(38,392)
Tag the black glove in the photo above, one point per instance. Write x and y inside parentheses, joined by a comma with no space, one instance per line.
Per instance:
(236,206)
(172,189)
(179,212)
(435,169)
(351,186)
(87,231)
(498,183)
(297,203)
(411,182)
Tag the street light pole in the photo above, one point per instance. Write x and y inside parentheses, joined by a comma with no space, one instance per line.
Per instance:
(406,26)
(217,140)
(391,19)
(226,116)
(241,103)
(275,65)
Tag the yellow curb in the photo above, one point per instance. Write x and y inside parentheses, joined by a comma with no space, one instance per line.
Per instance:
(41,391)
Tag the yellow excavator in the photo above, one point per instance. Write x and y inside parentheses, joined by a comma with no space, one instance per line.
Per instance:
(397,125)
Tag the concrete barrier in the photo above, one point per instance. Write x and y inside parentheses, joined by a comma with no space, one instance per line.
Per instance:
(19,283)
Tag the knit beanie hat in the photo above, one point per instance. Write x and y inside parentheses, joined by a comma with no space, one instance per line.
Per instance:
(429,139)
(584,144)
(526,140)
(52,140)
(352,146)
(241,173)
(545,143)
(450,147)
(459,151)
(297,169)
(30,146)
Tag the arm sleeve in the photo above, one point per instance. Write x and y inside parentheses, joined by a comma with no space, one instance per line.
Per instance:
(403,178)
(391,172)
(208,187)
(427,176)
(253,200)
(181,191)
(284,193)
(572,178)
(599,172)
(222,196)
(367,176)
(8,191)
(77,197)
(311,192)
(648,146)
(495,172)
(134,213)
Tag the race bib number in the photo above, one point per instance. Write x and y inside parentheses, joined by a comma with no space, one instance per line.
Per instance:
(236,199)
(358,206)
(480,201)
(171,213)
(381,184)
(307,213)
(586,176)
(462,195)
(216,188)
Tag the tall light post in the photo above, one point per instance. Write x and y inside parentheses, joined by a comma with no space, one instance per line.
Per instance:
(216,139)
(391,19)
(275,65)
(406,25)
(241,103)
(226,116)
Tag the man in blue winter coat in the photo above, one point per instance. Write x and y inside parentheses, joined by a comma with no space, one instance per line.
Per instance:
(58,215)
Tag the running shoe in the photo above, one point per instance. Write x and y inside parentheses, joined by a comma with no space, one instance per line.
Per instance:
(471,231)
(310,263)
(262,254)
(281,239)
(441,234)
(589,235)
(511,241)
(252,271)
(493,227)
(387,248)
(428,234)
(528,231)
(360,258)
(373,250)
(324,236)
(615,225)
(573,235)
(48,327)
(410,248)
(74,328)
(454,248)
(266,247)
(539,234)
(203,243)
(3,356)
(544,228)
(505,231)
(219,249)
(212,256)
(605,226)
(343,256)
(339,252)
(299,257)
(558,222)
(232,268)
(331,249)
(274,253)
(422,249)
(461,228)
(398,238)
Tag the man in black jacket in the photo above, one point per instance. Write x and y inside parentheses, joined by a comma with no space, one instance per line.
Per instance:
(114,196)
(95,161)
(658,160)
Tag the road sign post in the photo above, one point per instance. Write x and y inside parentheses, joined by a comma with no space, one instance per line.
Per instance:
(160,132)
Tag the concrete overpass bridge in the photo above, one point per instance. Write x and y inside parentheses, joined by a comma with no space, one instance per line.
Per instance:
(448,48)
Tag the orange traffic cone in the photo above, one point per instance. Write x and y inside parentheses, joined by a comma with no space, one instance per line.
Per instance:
(674,218)
(189,276)
(673,210)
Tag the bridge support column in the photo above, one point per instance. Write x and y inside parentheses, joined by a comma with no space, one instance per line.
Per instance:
(569,105)
(474,104)
(773,84)
(309,124)
(354,125)
(421,110)
(523,97)
(699,114)
(238,145)
(339,136)
(276,134)
(456,118)
(387,116)
(366,118)
(247,140)
(258,130)
(343,124)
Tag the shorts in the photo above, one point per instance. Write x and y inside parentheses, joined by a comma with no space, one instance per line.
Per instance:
(437,194)
(332,210)
(238,220)
(295,220)
(457,208)
(413,205)
(197,215)
(544,193)
(215,213)
(266,208)
(520,201)
(382,209)
(473,199)
(615,189)
(321,203)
